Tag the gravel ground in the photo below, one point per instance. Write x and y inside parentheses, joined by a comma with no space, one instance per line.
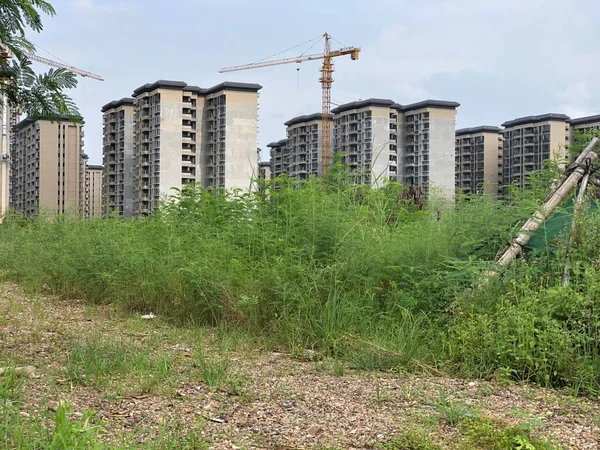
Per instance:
(282,403)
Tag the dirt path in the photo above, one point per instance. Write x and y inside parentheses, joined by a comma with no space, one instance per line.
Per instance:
(265,399)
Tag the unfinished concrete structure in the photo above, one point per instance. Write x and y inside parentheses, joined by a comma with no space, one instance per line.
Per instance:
(304,146)
(379,140)
(264,170)
(528,142)
(478,158)
(117,150)
(366,133)
(429,143)
(279,157)
(47,167)
(93,191)
(186,134)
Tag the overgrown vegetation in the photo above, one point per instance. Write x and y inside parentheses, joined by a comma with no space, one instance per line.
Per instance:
(358,274)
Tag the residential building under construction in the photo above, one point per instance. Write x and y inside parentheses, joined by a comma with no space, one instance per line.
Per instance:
(117,157)
(528,142)
(478,160)
(186,134)
(93,191)
(47,167)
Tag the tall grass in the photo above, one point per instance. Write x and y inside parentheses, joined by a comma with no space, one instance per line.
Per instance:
(357,273)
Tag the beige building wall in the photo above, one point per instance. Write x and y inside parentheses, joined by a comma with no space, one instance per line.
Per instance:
(117,150)
(429,145)
(529,141)
(185,134)
(264,170)
(93,191)
(478,160)
(46,168)
(366,133)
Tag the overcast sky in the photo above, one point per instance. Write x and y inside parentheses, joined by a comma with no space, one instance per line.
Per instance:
(499,59)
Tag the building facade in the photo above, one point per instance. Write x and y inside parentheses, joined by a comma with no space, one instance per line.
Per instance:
(366,134)
(47,164)
(279,157)
(185,134)
(379,140)
(117,194)
(304,146)
(586,124)
(264,170)
(478,160)
(93,191)
(528,142)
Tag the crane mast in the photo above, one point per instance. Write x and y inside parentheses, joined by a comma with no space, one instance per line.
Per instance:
(326,81)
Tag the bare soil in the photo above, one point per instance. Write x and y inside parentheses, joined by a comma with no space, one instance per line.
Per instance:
(281,402)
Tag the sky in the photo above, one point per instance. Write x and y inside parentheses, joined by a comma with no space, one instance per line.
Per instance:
(498,59)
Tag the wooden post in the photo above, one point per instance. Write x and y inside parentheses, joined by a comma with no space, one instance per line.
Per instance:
(548,207)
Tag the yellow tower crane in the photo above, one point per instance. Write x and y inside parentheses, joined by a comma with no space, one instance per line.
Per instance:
(326,80)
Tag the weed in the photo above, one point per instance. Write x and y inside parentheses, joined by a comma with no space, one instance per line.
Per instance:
(214,370)
(11,387)
(93,360)
(410,440)
(490,435)
(338,368)
(450,411)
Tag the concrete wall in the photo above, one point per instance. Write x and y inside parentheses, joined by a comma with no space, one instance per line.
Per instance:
(128,162)
(241,165)
(442,126)
(171,130)
(380,150)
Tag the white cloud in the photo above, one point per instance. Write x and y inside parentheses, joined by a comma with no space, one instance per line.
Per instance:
(98,6)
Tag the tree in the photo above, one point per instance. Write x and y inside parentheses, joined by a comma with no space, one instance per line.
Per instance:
(36,95)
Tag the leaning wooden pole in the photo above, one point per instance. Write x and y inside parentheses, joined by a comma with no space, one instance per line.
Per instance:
(538,218)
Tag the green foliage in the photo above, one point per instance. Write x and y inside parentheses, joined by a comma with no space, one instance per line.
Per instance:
(360,275)
(214,370)
(450,411)
(92,361)
(486,434)
(37,95)
(410,440)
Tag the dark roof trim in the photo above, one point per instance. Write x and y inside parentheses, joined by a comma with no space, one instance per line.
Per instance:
(29,121)
(586,120)
(182,86)
(264,164)
(535,119)
(280,143)
(160,84)
(303,119)
(117,103)
(431,104)
(476,130)
(363,104)
(233,86)
(95,167)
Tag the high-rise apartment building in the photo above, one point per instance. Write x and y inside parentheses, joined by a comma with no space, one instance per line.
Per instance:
(379,140)
(429,144)
(264,170)
(586,124)
(117,194)
(93,191)
(280,157)
(366,133)
(47,163)
(529,141)
(186,134)
(478,157)
(304,146)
